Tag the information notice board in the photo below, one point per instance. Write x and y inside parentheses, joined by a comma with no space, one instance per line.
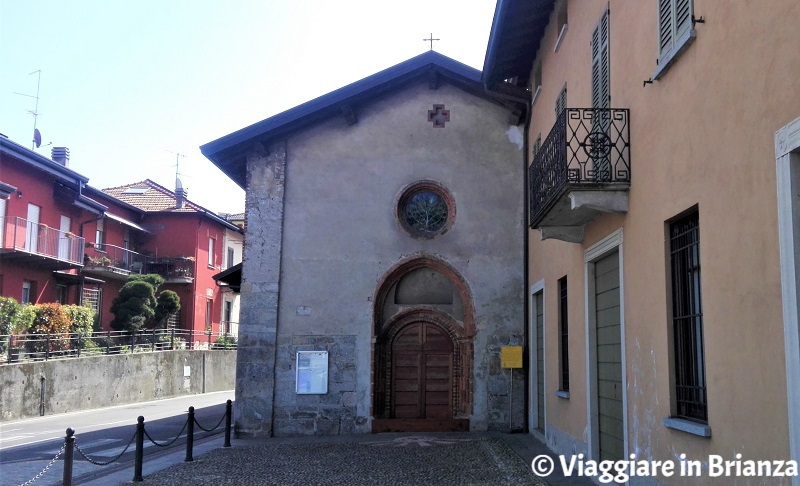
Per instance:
(312,372)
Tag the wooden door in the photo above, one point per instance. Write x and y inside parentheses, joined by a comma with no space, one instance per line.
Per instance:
(422,373)
(609,359)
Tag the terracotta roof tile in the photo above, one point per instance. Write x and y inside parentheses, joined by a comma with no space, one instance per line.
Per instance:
(149,196)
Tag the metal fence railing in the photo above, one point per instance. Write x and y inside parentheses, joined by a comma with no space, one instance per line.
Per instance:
(18,348)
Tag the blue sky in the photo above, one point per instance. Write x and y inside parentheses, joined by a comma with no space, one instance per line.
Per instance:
(124,85)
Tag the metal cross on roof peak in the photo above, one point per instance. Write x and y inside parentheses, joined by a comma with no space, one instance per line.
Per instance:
(431,39)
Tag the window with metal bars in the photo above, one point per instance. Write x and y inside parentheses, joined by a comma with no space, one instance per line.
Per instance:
(687,319)
(563,335)
(92,298)
(561,101)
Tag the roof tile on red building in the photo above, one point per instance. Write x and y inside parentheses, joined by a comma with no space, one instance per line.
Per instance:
(151,197)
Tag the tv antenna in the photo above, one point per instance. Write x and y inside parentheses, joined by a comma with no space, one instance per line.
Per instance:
(37,136)
(177,162)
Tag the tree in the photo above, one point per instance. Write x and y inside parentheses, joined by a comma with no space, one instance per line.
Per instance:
(168,304)
(136,307)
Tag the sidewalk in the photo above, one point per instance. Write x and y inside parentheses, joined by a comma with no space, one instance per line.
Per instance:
(459,459)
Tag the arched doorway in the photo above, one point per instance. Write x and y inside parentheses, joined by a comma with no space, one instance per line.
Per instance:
(422,359)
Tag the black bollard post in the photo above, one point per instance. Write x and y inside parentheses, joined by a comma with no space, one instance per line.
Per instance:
(69,450)
(137,464)
(228,409)
(190,436)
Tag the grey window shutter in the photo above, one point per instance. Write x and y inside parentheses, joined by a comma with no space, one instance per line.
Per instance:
(683,17)
(674,21)
(601,86)
(601,94)
(665,29)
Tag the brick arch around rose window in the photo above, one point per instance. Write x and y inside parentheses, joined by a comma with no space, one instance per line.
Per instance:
(460,328)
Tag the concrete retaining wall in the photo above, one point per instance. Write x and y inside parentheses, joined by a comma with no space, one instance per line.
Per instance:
(103,381)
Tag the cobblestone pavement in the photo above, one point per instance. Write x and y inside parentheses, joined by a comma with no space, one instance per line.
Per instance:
(385,459)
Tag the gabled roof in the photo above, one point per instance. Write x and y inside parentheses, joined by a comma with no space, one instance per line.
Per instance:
(517,31)
(227,152)
(151,197)
(41,162)
(68,184)
(154,198)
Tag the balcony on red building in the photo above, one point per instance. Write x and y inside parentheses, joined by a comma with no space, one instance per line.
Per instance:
(39,245)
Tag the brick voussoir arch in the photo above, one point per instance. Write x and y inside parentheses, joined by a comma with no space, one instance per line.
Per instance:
(414,262)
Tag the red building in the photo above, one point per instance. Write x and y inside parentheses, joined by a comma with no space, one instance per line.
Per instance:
(186,244)
(64,241)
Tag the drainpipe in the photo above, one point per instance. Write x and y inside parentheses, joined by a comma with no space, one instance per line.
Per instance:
(98,218)
(42,394)
(521,95)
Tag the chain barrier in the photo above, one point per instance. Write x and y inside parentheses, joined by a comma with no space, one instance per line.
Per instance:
(98,463)
(167,444)
(69,441)
(46,467)
(214,427)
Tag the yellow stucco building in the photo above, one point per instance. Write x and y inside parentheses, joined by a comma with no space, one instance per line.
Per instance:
(663,144)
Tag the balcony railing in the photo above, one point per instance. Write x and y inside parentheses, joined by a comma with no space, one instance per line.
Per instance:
(114,260)
(588,148)
(173,269)
(29,237)
(111,259)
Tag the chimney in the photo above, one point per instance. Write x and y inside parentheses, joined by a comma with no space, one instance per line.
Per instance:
(60,155)
(180,195)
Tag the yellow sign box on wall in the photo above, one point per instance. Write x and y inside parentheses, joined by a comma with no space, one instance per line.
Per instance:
(511,357)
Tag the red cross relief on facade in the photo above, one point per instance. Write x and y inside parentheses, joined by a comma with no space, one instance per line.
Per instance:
(438,115)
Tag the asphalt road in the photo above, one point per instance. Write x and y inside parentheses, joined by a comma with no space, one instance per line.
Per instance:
(27,446)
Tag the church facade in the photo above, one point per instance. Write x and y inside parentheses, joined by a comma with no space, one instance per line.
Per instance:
(384,262)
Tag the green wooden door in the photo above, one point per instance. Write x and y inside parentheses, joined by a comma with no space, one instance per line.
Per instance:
(609,359)
(540,361)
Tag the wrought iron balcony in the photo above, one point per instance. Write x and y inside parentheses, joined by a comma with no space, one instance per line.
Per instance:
(39,245)
(173,269)
(115,262)
(112,261)
(582,168)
